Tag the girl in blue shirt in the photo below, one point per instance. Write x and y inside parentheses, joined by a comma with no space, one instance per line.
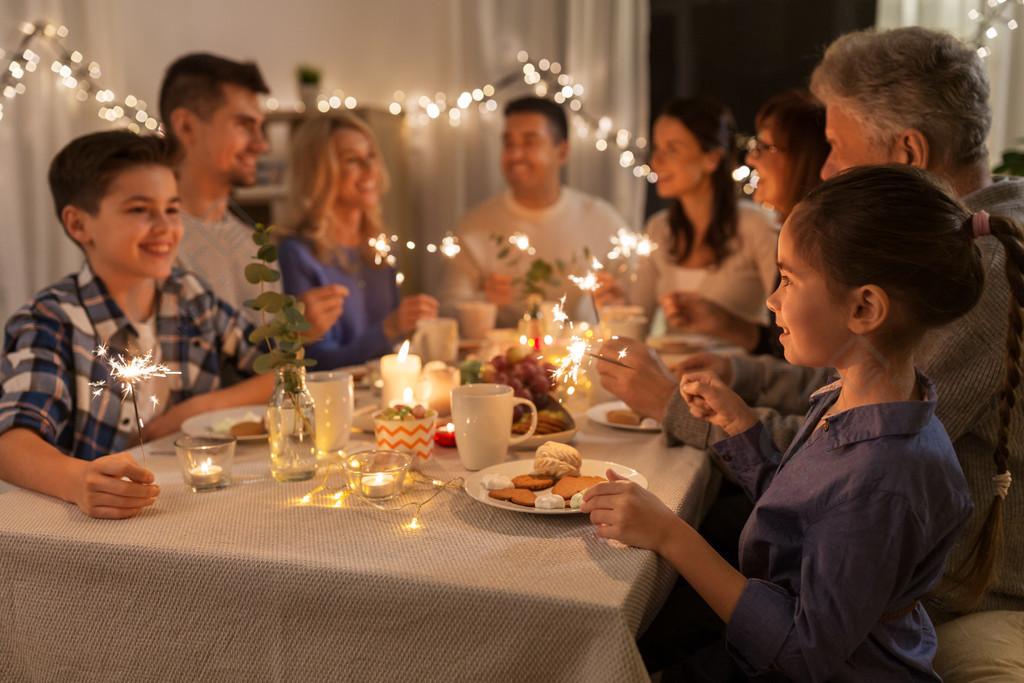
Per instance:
(852,524)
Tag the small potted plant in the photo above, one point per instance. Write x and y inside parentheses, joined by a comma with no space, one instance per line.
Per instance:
(309,85)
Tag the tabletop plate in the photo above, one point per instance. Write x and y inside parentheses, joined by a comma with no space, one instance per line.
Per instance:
(474,486)
(599,412)
(221,421)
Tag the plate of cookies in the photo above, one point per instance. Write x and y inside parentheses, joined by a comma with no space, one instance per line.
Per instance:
(552,483)
(246,423)
(554,423)
(618,414)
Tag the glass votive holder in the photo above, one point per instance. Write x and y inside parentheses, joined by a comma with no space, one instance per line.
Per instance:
(206,460)
(376,475)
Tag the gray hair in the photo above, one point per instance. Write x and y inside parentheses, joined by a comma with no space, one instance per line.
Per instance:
(911,77)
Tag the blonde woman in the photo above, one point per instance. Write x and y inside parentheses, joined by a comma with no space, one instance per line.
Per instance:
(337,180)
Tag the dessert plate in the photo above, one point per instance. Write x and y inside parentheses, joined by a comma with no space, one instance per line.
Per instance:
(599,414)
(221,421)
(474,482)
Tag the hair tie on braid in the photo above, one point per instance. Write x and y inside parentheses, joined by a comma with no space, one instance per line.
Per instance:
(979,222)
(1002,483)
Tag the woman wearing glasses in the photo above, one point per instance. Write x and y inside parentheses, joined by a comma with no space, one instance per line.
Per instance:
(715,262)
(789,150)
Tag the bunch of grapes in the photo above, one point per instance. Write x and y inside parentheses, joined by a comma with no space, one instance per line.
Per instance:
(523,371)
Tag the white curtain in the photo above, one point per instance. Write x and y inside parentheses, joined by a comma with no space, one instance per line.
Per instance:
(367,49)
(1005,61)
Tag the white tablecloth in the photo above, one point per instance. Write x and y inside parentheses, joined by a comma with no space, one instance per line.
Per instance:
(250,583)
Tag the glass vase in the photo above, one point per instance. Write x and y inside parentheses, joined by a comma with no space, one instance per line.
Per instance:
(290,426)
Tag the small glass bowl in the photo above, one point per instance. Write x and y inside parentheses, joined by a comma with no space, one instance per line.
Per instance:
(376,475)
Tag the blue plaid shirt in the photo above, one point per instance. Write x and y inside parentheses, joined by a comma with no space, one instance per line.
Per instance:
(49,361)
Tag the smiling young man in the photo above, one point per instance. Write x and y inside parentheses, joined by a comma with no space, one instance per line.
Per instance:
(559,222)
(61,432)
(210,109)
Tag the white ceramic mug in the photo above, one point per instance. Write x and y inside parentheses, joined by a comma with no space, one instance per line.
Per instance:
(437,339)
(476,318)
(332,408)
(482,416)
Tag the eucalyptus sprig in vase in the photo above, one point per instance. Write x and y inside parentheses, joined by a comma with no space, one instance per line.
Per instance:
(290,411)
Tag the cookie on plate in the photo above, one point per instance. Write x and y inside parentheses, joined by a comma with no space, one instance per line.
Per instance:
(524,497)
(567,487)
(532,482)
(502,494)
(623,417)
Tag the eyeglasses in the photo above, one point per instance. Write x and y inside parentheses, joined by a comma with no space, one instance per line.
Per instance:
(756,147)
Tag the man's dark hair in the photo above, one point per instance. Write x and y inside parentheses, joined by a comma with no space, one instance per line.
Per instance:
(194,82)
(551,111)
(81,173)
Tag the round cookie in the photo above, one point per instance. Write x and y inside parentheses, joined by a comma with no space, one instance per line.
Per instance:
(532,482)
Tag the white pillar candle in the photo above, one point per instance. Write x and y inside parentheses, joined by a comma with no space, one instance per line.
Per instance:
(398,371)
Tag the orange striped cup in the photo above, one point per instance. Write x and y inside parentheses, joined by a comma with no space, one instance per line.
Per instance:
(415,437)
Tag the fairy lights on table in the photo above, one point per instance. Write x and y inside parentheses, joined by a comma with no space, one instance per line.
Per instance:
(129,373)
(335,495)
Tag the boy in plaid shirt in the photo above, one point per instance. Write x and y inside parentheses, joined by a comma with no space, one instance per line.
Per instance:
(60,434)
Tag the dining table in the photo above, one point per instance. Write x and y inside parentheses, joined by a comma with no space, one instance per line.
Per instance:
(272,581)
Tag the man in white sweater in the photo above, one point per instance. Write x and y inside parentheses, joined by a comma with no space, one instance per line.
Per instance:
(560,224)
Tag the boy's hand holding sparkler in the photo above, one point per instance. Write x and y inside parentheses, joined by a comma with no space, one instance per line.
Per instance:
(114,487)
(710,399)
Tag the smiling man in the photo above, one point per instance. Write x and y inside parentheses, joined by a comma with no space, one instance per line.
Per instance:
(210,108)
(559,222)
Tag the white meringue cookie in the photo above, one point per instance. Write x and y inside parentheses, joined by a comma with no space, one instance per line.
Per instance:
(493,482)
(557,460)
(549,501)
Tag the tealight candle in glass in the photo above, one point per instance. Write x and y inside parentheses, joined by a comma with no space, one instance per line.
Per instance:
(206,460)
(376,475)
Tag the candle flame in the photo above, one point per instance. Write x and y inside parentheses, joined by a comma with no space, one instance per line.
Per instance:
(403,352)
(407,396)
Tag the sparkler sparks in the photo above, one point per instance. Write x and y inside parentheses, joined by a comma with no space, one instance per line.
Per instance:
(381,246)
(625,243)
(129,373)
(569,366)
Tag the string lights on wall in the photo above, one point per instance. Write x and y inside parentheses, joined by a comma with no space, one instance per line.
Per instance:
(544,76)
(990,14)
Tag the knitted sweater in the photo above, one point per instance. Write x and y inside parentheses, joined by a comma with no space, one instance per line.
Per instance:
(965,360)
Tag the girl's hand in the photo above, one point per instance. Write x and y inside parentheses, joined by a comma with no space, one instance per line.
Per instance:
(627,512)
(710,399)
(102,489)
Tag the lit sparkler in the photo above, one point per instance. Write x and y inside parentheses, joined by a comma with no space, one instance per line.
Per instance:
(625,243)
(381,246)
(569,366)
(129,373)
(589,284)
(449,246)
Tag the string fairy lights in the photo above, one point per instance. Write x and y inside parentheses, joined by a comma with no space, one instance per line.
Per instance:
(989,15)
(73,72)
